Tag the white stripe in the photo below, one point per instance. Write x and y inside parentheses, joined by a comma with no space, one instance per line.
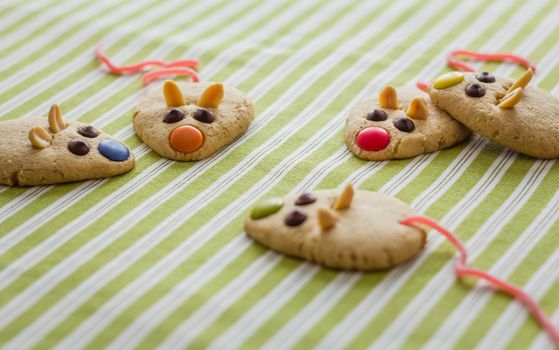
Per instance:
(543,341)
(21,12)
(38,21)
(200,163)
(474,302)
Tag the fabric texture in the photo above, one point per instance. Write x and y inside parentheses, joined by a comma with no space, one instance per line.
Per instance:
(158,257)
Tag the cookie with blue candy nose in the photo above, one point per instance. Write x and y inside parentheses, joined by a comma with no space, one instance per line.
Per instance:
(191,121)
(37,151)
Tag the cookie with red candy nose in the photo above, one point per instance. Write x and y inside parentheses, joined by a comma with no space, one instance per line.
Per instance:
(400,123)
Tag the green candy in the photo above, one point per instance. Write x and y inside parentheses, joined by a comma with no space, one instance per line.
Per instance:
(266,208)
(447,80)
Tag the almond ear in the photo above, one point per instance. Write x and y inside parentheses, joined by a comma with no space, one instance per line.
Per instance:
(173,94)
(388,98)
(511,98)
(418,109)
(343,201)
(56,122)
(212,96)
(39,137)
(522,81)
(326,220)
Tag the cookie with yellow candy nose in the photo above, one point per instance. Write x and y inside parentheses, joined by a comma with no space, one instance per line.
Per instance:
(39,151)
(344,229)
(400,123)
(191,121)
(512,113)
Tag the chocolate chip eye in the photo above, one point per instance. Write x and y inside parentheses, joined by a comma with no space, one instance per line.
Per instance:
(305,199)
(377,115)
(88,131)
(203,116)
(475,90)
(486,77)
(295,218)
(173,116)
(78,147)
(404,124)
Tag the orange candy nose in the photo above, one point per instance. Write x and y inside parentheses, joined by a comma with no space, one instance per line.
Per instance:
(186,139)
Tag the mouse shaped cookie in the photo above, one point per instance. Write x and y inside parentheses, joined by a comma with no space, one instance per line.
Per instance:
(400,123)
(511,113)
(37,151)
(191,121)
(344,229)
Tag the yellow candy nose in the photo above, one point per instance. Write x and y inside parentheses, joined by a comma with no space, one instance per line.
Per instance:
(447,80)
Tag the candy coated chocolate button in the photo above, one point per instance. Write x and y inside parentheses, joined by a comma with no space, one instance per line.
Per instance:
(305,199)
(203,116)
(447,80)
(78,147)
(373,139)
(173,116)
(88,131)
(186,139)
(378,115)
(266,208)
(114,150)
(475,90)
(404,124)
(486,77)
(295,218)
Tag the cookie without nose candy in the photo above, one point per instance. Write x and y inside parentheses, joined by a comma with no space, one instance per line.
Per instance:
(191,121)
(528,123)
(37,151)
(400,123)
(340,229)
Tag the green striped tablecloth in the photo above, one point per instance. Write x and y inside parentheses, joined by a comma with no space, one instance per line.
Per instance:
(158,257)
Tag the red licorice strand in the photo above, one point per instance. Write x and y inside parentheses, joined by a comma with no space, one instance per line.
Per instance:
(421,85)
(480,56)
(165,72)
(462,270)
(138,67)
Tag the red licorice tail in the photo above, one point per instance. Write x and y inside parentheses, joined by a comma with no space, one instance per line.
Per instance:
(462,270)
(183,67)
(421,85)
(490,57)
(165,72)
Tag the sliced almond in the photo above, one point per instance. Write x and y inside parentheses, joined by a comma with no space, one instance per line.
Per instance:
(173,94)
(418,109)
(39,137)
(511,98)
(388,98)
(326,220)
(522,81)
(212,96)
(56,122)
(343,201)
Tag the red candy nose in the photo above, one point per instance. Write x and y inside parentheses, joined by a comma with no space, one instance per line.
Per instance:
(373,139)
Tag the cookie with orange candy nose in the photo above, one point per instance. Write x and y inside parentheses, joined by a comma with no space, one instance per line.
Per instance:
(191,121)
(400,123)
(344,229)
(511,113)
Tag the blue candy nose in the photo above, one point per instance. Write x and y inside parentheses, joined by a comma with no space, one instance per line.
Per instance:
(114,150)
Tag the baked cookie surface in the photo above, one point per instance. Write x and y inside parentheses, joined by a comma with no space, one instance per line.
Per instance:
(191,121)
(339,229)
(37,151)
(524,118)
(400,123)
